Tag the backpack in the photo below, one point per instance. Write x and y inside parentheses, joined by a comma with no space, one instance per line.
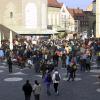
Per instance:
(48,78)
(57,77)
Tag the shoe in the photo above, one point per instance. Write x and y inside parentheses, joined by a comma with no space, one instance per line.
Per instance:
(57,93)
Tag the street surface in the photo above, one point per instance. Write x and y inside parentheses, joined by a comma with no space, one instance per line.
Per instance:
(85,87)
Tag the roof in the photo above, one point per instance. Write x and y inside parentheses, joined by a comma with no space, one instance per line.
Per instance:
(75,12)
(54,3)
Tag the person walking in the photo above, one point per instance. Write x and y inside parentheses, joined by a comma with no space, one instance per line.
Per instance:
(9,61)
(27,88)
(48,81)
(36,90)
(56,79)
(88,63)
(43,68)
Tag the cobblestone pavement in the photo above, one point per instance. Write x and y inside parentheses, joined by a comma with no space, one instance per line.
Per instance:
(85,87)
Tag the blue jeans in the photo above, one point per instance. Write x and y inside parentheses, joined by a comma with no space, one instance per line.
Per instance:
(48,88)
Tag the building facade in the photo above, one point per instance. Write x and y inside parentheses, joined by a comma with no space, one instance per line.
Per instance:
(91,15)
(94,6)
(90,7)
(24,15)
(91,23)
(97,18)
(54,8)
(75,20)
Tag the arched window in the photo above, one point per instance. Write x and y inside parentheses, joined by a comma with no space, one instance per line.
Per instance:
(31,15)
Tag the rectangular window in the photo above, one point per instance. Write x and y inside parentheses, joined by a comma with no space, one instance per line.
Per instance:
(11,14)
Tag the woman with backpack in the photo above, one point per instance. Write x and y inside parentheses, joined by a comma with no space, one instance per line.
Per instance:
(56,79)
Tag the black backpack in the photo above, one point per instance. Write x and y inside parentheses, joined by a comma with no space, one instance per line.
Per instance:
(57,77)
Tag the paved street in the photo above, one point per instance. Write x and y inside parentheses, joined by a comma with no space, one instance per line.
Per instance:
(85,87)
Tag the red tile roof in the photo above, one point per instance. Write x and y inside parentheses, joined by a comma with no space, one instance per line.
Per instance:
(54,3)
(76,12)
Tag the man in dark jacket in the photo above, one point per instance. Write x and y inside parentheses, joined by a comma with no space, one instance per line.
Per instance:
(9,61)
(27,88)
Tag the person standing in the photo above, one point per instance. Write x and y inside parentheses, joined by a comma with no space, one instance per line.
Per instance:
(27,88)
(63,58)
(55,59)
(36,90)
(68,64)
(72,71)
(56,79)
(9,61)
(43,68)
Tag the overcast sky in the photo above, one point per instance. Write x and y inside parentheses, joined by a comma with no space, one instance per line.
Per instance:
(77,3)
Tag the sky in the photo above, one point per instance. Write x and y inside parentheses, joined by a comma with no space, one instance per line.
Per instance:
(82,4)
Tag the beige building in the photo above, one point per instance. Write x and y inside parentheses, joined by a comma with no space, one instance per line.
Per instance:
(97,18)
(75,21)
(24,16)
(68,22)
(95,9)
(54,21)
(90,7)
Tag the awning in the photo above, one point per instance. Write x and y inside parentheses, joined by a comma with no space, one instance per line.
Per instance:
(51,32)
(38,32)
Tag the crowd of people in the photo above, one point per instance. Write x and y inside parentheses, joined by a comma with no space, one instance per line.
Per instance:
(46,56)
